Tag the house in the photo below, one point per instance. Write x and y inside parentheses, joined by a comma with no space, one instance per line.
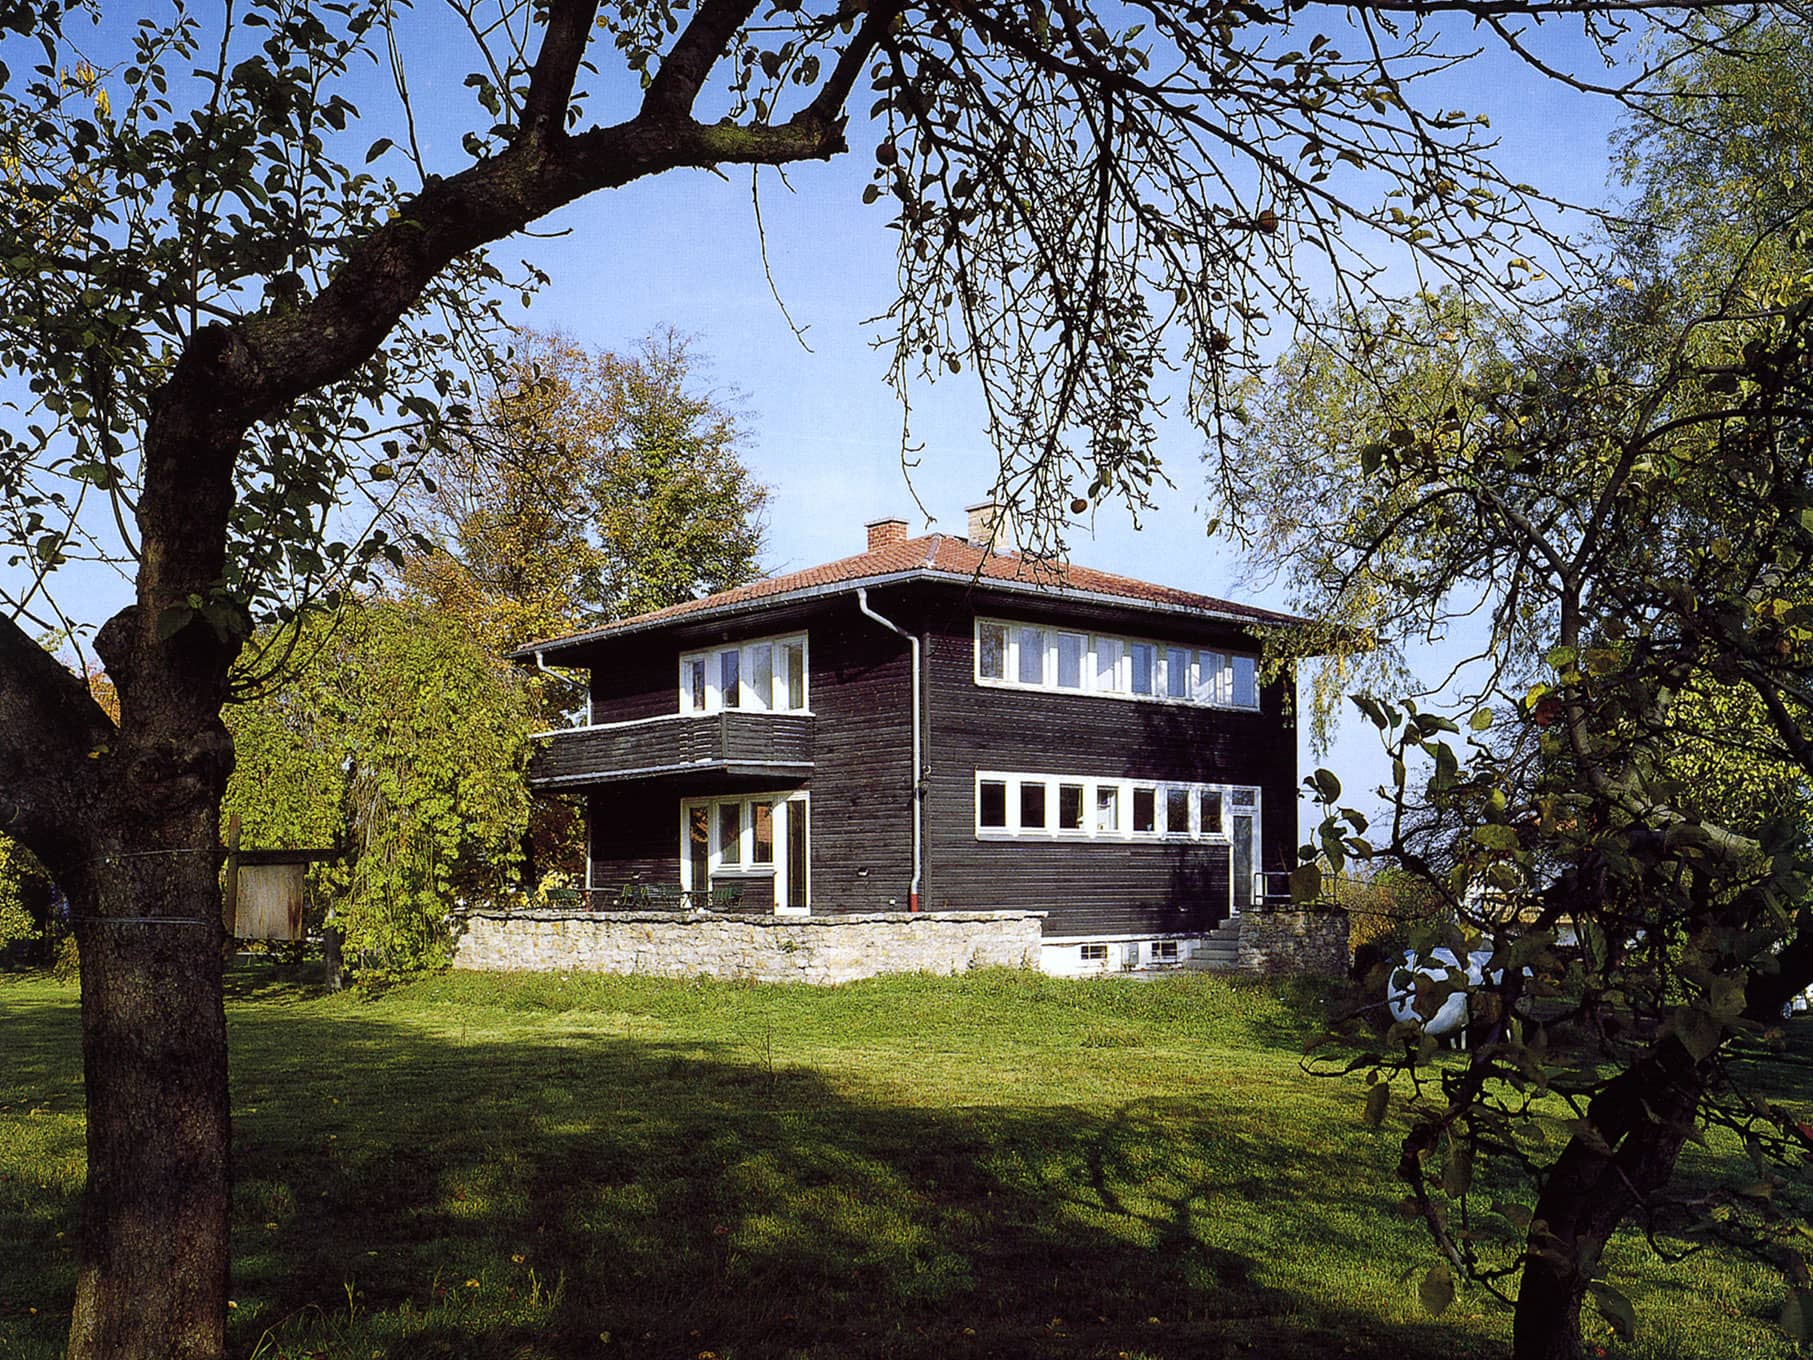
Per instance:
(932,724)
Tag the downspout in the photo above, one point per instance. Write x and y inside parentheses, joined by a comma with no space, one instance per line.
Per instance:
(862,603)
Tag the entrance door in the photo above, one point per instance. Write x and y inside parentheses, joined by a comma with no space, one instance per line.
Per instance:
(1244,837)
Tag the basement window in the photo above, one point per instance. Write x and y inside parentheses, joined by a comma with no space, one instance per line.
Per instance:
(1094,953)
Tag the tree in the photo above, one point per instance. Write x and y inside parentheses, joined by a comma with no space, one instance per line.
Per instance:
(25,903)
(594,486)
(226,330)
(1627,503)
(398,738)
(598,486)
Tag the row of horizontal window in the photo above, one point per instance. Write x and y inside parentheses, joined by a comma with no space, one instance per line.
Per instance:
(1033,657)
(766,675)
(1037,804)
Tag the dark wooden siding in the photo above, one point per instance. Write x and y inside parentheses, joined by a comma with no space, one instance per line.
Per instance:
(1096,887)
(862,810)
(859,740)
(730,737)
(637,678)
(635,839)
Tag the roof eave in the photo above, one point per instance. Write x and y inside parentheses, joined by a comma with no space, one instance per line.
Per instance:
(536,651)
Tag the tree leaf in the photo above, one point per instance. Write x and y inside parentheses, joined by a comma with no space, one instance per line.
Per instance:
(1435,1291)
(1615,1309)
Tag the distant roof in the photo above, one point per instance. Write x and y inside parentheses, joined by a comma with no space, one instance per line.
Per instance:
(938,557)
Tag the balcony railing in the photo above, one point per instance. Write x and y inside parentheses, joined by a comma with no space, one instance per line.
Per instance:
(739,741)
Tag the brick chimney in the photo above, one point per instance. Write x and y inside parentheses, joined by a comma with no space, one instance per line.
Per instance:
(885,533)
(991,525)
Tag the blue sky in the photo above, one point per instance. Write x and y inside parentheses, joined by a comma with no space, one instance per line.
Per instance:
(825,431)
(684,250)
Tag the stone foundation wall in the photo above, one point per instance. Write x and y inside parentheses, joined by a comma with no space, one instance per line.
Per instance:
(761,948)
(1288,940)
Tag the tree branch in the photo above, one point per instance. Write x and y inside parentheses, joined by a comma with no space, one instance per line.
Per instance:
(50,730)
(676,85)
(557,66)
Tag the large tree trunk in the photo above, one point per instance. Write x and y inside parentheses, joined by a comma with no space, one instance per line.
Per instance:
(153,1276)
(1641,1118)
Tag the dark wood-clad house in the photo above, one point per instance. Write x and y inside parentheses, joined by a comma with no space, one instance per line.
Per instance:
(933,724)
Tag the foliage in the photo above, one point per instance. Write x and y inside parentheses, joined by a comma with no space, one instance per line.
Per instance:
(597,486)
(816,1172)
(25,901)
(1627,505)
(398,739)
(236,320)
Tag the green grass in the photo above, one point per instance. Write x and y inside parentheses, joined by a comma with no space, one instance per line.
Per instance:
(998,1165)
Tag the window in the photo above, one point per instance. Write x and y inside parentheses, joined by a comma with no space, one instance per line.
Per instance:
(694,683)
(792,674)
(1093,953)
(1108,666)
(1011,804)
(730,687)
(1177,673)
(1031,647)
(1164,951)
(1177,812)
(747,842)
(798,860)
(1210,823)
(761,674)
(762,833)
(1144,657)
(1032,805)
(991,651)
(698,843)
(1029,656)
(991,805)
(730,833)
(1145,811)
(767,673)
(1209,669)
(1107,808)
(1246,683)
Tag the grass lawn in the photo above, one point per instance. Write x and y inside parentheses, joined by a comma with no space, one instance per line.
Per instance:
(997,1165)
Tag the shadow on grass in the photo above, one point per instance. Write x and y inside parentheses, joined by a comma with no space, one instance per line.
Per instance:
(576,1193)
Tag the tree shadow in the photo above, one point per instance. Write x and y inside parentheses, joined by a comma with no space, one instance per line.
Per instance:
(408,1193)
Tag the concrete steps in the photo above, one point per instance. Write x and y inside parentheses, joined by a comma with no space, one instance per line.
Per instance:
(1220,951)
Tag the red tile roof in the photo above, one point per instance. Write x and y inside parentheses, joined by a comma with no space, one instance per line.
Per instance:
(943,557)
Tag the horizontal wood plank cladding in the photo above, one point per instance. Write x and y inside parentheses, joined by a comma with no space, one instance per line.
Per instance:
(636,679)
(858,737)
(635,839)
(861,783)
(730,738)
(1095,887)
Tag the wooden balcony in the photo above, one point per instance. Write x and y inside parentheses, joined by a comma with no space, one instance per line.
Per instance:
(735,741)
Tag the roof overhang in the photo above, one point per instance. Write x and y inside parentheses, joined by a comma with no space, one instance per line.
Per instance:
(539,652)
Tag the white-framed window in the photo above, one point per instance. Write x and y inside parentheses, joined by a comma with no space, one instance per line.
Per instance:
(1033,656)
(765,674)
(1017,805)
(1093,953)
(759,842)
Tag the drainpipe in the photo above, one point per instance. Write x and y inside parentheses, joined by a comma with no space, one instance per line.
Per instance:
(862,603)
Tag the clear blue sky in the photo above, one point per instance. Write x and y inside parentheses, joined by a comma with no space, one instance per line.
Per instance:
(683,250)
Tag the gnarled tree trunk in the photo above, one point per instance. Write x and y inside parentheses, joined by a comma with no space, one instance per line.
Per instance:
(1641,1118)
(153,1273)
